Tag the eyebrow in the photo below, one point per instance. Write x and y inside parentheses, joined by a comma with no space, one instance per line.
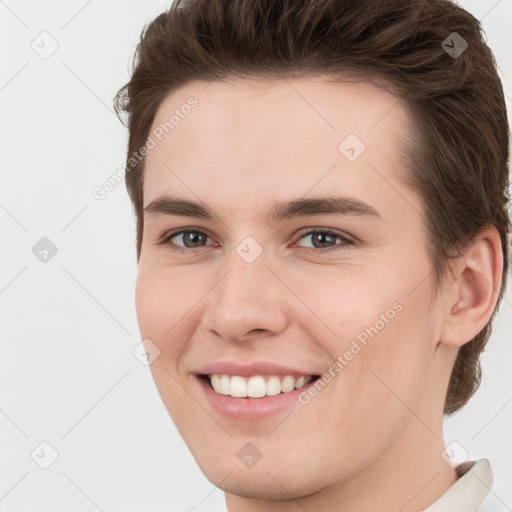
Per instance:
(326,205)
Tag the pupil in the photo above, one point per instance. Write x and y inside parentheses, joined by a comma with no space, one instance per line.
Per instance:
(193,237)
(320,237)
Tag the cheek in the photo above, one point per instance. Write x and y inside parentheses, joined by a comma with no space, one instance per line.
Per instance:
(383,334)
(394,365)
(160,307)
(162,302)
(164,296)
(353,308)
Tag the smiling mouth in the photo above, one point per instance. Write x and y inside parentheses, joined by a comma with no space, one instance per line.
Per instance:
(257,386)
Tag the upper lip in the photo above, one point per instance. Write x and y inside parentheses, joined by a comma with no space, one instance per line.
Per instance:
(249,369)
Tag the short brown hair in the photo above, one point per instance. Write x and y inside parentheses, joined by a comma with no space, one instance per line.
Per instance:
(459,159)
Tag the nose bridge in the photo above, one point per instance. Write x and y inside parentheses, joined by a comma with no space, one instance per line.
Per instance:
(248,298)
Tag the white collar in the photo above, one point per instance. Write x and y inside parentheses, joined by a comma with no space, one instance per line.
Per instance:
(469,491)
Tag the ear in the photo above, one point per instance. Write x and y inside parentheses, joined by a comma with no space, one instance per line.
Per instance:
(470,299)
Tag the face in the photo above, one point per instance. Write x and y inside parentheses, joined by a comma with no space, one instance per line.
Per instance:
(301,280)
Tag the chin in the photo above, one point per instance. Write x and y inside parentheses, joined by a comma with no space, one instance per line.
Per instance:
(266,480)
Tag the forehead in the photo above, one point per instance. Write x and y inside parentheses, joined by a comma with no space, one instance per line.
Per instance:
(287,134)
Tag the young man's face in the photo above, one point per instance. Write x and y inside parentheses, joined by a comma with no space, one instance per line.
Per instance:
(250,295)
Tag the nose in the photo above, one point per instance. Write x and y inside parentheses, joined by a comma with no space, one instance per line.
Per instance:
(249,302)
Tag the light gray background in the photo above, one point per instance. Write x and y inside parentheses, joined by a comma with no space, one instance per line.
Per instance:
(68,375)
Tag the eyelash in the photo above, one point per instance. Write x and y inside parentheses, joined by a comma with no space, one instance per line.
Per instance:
(165,240)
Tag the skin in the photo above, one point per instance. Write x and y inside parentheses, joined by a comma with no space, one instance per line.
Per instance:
(374,433)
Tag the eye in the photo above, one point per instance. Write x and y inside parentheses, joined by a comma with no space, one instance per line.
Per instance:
(321,237)
(324,240)
(191,238)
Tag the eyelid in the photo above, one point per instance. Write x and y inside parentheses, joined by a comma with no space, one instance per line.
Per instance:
(347,240)
(328,231)
(164,239)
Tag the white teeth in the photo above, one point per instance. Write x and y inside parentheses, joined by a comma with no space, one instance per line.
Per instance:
(225,386)
(256,386)
(288,384)
(238,386)
(273,386)
(215,380)
(300,382)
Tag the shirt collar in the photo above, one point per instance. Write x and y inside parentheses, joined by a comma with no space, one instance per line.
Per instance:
(469,491)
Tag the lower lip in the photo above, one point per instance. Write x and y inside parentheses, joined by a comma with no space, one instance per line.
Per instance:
(250,409)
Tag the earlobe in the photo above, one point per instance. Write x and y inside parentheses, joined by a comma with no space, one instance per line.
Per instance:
(471,297)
